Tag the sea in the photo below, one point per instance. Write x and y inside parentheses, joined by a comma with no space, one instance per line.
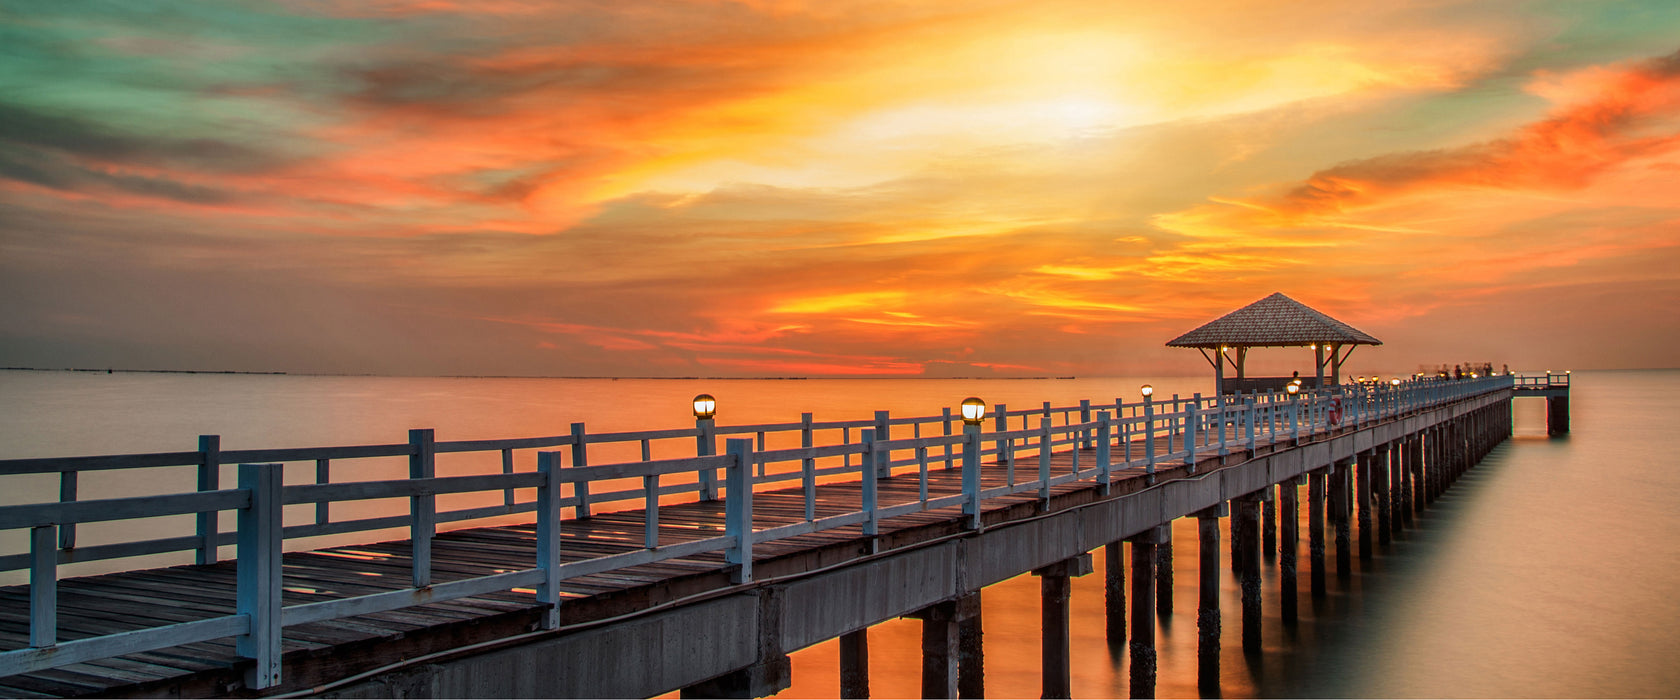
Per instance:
(1551,569)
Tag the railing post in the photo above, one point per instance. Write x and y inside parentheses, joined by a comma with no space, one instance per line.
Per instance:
(1085,417)
(1001,413)
(868,471)
(258,574)
(737,508)
(971,474)
(67,494)
(548,537)
(705,445)
(422,510)
(580,458)
(808,468)
(883,433)
(209,479)
(1190,434)
(1224,418)
(1149,438)
(950,455)
(1252,416)
(1104,450)
(1044,460)
(43,586)
(323,475)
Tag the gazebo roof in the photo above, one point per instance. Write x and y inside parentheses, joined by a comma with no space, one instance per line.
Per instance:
(1275,321)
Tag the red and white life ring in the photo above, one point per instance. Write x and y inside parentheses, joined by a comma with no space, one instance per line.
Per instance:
(1335,412)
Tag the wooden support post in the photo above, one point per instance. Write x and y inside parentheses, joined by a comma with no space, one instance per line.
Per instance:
(1055,586)
(854,664)
(1247,509)
(1268,527)
(1365,493)
(1289,506)
(971,659)
(1164,572)
(939,649)
(1315,530)
(1340,516)
(1207,608)
(1143,623)
(1381,470)
(1114,591)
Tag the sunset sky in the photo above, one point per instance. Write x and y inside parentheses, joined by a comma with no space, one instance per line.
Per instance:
(789,188)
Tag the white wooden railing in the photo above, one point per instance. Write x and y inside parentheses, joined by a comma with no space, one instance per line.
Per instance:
(1123,436)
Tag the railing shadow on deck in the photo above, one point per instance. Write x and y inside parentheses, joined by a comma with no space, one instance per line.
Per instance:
(1122,436)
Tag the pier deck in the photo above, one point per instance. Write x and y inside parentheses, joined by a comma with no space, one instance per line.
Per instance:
(328,650)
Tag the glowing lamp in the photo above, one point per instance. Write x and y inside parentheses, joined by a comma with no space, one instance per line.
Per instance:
(1293,388)
(705,406)
(973,410)
(1148,390)
(1395,381)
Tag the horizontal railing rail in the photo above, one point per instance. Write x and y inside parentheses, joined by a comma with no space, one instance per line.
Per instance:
(1142,436)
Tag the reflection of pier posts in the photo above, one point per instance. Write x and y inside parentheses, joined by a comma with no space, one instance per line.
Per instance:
(1414,478)
(1143,623)
(1207,608)
(854,664)
(1164,572)
(1055,586)
(1364,492)
(1315,528)
(1395,475)
(1289,509)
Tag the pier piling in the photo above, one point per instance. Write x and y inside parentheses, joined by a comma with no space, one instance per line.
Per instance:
(1114,591)
(1315,529)
(1248,510)
(1143,623)
(1290,509)
(1207,607)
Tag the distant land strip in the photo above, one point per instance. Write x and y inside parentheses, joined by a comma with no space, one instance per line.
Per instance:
(113,370)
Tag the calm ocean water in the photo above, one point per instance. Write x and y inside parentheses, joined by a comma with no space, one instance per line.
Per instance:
(1551,570)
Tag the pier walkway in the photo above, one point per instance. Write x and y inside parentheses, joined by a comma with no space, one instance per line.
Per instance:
(700,573)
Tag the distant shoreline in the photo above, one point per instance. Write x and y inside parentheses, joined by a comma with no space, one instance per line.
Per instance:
(113,370)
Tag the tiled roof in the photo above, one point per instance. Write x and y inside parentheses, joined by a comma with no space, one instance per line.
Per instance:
(1276,320)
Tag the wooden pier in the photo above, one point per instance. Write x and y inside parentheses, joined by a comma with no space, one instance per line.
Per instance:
(701,573)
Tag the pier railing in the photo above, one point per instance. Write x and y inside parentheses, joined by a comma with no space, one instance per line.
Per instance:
(1548,380)
(1121,436)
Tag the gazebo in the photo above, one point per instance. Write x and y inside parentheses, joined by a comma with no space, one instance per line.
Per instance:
(1276,321)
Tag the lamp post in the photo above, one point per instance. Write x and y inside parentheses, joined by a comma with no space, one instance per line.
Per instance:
(973,412)
(1149,432)
(705,442)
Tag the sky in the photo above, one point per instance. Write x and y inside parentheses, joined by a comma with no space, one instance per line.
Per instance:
(833,188)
